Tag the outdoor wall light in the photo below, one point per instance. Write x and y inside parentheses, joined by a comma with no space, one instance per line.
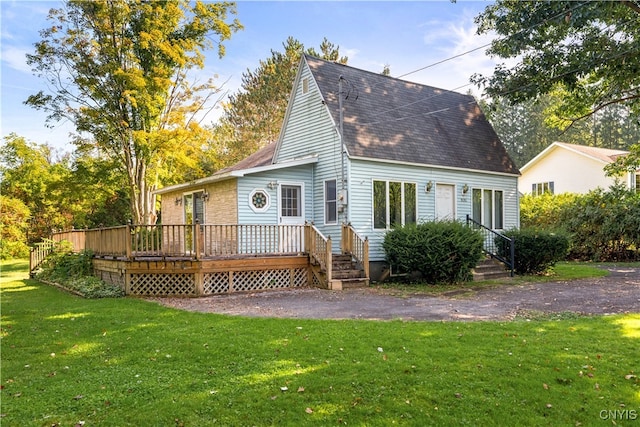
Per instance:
(428,187)
(272,185)
(205,196)
(178,201)
(465,189)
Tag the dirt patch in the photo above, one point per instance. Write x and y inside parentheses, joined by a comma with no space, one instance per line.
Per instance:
(617,293)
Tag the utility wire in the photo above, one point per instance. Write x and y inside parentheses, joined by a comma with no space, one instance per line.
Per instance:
(503,93)
(469,84)
(563,13)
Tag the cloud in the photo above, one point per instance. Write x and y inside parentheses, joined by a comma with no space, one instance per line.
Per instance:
(15,58)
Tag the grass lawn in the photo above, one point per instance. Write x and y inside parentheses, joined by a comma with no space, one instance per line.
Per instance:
(127,362)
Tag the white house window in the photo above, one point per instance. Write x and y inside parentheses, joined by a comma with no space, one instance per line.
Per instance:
(488,208)
(290,200)
(542,188)
(394,203)
(330,202)
(259,200)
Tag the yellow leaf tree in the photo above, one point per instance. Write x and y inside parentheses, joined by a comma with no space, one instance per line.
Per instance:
(119,70)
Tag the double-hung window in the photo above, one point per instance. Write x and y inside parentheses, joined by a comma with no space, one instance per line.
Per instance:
(394,204)
(488,208)
(330,202)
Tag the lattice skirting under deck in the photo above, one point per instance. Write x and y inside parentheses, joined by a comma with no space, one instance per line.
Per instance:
(253,280)
(162,284)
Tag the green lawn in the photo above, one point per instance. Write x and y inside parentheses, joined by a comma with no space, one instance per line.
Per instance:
(128,362)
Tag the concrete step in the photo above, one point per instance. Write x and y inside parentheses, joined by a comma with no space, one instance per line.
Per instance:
(489,269)
(355,283)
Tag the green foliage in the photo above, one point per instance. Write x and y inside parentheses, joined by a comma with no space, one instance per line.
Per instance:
(74,271)
(118,71)
(605,225)
(587,50)
(527,128)
(602,225)
(545,211)
(14,226)
(535,250)
(441,251)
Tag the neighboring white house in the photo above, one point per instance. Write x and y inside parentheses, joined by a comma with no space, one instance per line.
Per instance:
(362,148)
(571,168)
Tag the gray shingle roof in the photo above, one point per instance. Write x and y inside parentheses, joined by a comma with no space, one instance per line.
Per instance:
(396,120)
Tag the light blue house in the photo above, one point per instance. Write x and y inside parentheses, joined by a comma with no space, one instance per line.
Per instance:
(366,149)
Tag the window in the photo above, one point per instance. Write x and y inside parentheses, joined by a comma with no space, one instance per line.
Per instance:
(259,200)
(194,208)
(637,183)
(291,205)
(488,208)
(305,85)
(394,203)
(542,188)
(330,202)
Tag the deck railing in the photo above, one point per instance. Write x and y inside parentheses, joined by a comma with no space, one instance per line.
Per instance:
(39,252)
(355,245)
(187,240)
(319,249)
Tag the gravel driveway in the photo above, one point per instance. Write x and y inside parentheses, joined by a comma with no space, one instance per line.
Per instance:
(617,293)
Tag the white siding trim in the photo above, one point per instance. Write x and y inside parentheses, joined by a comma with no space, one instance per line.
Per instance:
(422,165)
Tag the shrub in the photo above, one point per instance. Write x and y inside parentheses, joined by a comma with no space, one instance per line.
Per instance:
(605,225)
(602,225)
(545,211)
(441,251)
(74,271)
(535,250)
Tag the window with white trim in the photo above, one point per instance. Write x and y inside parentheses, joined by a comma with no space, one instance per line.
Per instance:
(259,200)
(488,208)
(542,188)
(394,204)
(330,201)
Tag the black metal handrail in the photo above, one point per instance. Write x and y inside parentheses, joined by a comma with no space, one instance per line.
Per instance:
(495,244)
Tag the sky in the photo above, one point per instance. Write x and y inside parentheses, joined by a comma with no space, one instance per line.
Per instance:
(405,35)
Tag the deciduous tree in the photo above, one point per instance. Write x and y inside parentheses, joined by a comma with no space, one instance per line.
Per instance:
(118,70)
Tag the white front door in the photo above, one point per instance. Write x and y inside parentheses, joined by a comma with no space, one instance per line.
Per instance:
(291,216)
(445,201)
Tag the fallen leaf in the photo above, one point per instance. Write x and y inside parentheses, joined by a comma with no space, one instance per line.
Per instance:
(309,411)
(78,397)
(545,386)
(549,405)
(629,377)
(300,389)
(380,349)
(597,386)
(284,388)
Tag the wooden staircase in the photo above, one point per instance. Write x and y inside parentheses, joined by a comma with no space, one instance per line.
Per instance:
(346,273)
(489,269)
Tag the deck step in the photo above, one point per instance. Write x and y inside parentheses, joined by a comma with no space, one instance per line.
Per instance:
(345,270)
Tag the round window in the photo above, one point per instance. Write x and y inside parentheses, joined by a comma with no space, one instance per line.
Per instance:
(259,200)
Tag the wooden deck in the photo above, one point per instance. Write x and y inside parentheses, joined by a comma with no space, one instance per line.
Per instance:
(198,260)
